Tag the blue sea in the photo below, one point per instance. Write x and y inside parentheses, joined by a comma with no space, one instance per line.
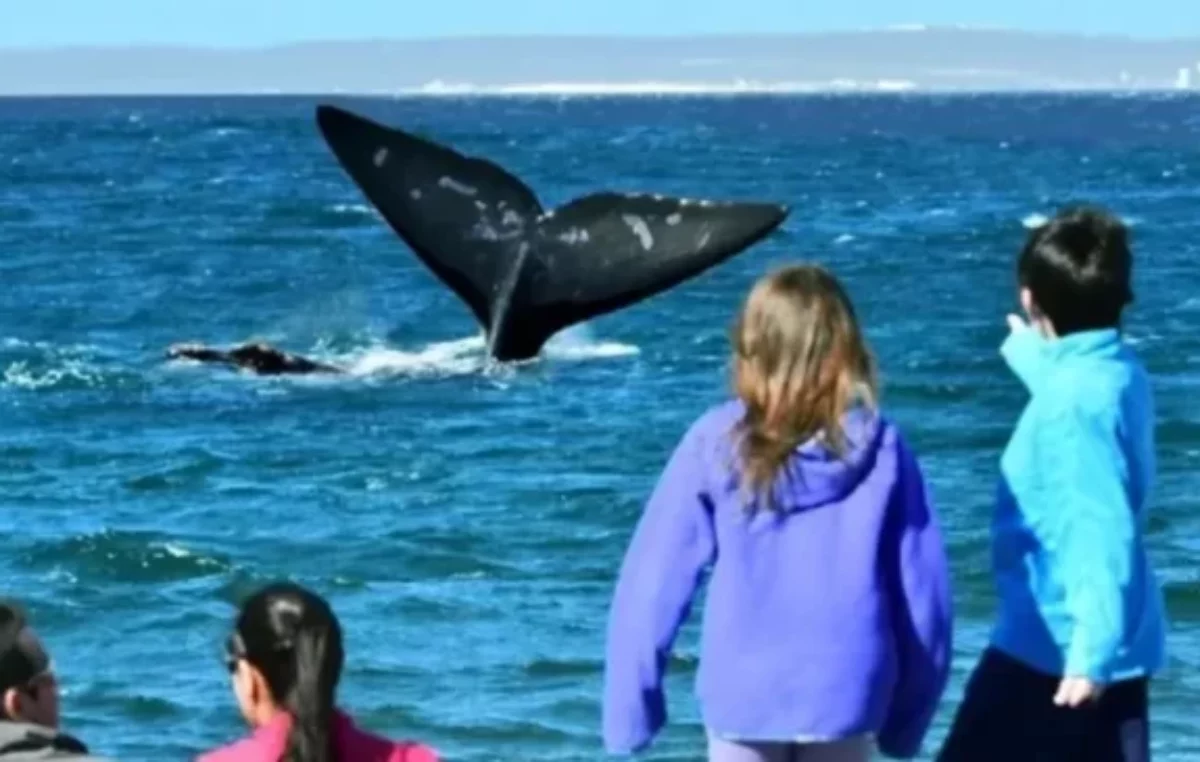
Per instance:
(467,521)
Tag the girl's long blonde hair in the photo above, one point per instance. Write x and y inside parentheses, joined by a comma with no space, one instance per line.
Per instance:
(800,362)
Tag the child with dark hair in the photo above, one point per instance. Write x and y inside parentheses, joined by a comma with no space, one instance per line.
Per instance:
(1080,626)
(285,658)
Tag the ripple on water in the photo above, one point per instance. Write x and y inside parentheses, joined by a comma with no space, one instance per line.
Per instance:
(118,556)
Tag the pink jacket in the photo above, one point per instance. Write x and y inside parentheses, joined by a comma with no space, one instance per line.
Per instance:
(268,743)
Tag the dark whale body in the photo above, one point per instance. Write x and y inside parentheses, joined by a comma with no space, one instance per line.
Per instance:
(261,359)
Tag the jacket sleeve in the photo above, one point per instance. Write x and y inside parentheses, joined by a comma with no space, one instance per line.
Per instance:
(1023,350)
(1091,530)
(922,612)
(671,546)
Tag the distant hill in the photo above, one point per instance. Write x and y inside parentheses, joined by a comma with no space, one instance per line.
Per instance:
(914,58)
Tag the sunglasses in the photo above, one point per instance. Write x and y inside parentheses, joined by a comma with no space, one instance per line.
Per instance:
(233,654)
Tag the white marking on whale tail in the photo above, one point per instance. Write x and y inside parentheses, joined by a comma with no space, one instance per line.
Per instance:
(457,187)
(381,157)
(640,229)
(574,236)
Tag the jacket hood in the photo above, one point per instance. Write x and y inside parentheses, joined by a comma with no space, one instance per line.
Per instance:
(814,475)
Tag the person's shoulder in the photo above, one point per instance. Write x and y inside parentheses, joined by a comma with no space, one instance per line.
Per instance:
(267,742)
(895,447)
(373,747)
(1095,394)
(364,745)
(412,752)
(238,751)
(879,431)
(709,438)
(716,422)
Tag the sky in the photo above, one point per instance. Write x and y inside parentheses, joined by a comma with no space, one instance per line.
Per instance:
(254,23)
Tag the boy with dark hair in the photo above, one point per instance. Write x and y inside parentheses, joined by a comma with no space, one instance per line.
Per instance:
(1081,626)
(29,697)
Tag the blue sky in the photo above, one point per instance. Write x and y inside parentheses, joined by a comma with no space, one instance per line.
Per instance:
(39,23)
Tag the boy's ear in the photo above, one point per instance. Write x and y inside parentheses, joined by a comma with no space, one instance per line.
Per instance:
(1032,312)
(1036,317)
(11,704)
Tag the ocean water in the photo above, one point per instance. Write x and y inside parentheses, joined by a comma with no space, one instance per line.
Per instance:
(467,521)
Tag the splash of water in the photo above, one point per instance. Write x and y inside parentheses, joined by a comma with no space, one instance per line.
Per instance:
(1036,220)
(21,375)
(580,343)
(56,367)
(38,365)
(457,357)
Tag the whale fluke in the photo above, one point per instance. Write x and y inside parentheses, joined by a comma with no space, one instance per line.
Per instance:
(527,273)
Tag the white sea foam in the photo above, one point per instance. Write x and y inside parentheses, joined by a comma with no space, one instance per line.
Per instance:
(579,343)
(354,209)
(468,355)
(1037,219)
(176,550)
(21,375)
(458,357)
(33,365)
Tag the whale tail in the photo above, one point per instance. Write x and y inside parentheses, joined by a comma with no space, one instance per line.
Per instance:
(524,272)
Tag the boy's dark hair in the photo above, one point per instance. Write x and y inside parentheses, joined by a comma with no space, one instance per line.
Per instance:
(21,656)
(1078,268)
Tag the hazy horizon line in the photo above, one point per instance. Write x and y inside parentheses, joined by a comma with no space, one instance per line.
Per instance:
(912,29)
(624,93)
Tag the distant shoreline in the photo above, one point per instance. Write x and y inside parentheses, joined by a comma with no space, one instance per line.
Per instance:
(911,60)
(615,94)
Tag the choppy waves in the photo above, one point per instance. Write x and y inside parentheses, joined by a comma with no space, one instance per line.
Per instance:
(466,517)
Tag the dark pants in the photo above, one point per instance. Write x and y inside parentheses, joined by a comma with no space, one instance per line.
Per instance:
(1008,715)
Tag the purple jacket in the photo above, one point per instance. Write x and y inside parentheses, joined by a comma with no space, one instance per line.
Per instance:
(828,619)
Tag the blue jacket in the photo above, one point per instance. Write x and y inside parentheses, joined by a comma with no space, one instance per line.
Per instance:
(1077,594)
(826,619)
